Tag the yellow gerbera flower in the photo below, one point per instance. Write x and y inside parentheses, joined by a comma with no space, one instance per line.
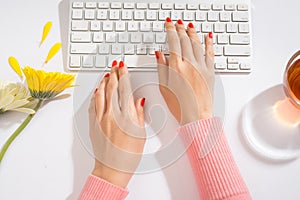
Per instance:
(15,97)
(46,85)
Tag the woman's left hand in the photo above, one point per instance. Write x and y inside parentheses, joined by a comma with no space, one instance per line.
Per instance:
(116,127)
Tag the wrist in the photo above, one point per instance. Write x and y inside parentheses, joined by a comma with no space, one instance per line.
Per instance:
(113,176)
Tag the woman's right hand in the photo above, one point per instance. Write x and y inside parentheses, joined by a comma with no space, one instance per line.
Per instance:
(187,77)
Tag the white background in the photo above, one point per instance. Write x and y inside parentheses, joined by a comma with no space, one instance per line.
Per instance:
(48,162)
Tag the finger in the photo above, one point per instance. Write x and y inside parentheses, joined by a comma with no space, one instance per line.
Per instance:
(196,44)
(185,43)
(100,99)
(209,51)
(139,105)
(174,44)
(162,68)
(92,106)
(112,91)
(125,91)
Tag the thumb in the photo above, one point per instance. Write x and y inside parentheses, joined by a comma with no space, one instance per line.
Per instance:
(139,105)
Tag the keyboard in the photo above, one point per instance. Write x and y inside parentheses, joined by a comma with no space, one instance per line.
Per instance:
(103,31)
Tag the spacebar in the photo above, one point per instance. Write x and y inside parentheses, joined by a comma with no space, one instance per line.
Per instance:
(147,61)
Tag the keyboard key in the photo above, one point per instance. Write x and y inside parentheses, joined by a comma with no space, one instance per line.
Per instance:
(151,15)
(205,6)
(217,6)
(88,61)
(207,27)
(129,49)
(128,5)
(89,14)
(166,6)
(244,28)
(77,4)
(83,48)
(140,61)
(148,38)
(114,14)
(133,26)
(120,26)
(116,5)
(218,50)
(179,6)
(163,14)
(141,6)
(222,39)
(176,15)
(116,49)
(110,37)
(188,15)
(230,7)
(245,66)
(104,49)
(75,61)
(242,7)
(141,49)
(219,28)
(158,26)
(95,25)
(239,39)
(233,66)
(212,16)
(77,14)
(107,26)
(200,16)
(145,26)
(90,4)
(123,37)
(81,37)
(231,28)
(102,14)
(237,50)
(139,14)
(240,17)
(127,14)
(101,61)
(80,25)
(98,37)
(154,6)
(136,37)
(160,38)
(225,16)
(103,5)
(192,6)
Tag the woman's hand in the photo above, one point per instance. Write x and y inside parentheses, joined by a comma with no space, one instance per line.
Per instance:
(116,127)
(187,77)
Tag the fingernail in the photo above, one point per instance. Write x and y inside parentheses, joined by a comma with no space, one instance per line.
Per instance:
(191,25)
(95,90)
(143,102)
(157,54)
(210,35)
(168,19)
(114,63)
(179,21)
(121,64)
(106,75)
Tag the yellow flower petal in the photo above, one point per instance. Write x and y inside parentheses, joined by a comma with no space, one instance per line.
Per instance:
(15,65)
(53,51)
(46,31)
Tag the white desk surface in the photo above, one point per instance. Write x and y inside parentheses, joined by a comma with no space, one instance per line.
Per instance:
(48,162)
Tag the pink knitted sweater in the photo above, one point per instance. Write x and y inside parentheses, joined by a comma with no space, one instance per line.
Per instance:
(216,173)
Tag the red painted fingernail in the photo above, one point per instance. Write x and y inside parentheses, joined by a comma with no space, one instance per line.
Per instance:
(168,19)
(191,25)
(95,90)
(143,102)
(157,54)
(121,64)
(210,35)
(114,63)
(179,21)
(107,75)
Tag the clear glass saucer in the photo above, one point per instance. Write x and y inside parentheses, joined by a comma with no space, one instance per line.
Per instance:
(271,125)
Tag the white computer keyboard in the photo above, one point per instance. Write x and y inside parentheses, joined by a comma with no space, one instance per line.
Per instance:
(103,31)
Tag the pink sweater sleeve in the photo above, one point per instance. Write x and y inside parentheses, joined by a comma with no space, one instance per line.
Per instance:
(98,189)
(216,173)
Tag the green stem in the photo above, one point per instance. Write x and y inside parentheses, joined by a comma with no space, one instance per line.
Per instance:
(18,131)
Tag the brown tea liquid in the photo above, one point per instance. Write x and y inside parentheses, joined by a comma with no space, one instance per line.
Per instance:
(293,78)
